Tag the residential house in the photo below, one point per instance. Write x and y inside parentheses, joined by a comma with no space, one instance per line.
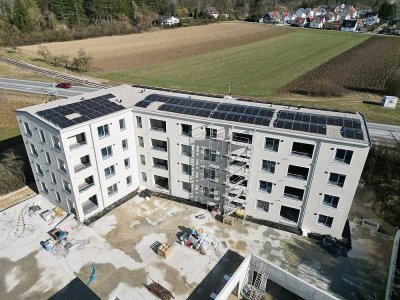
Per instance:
(167,20)
(271,18)
(331,17)
(300,22)
(212,11)
(287,18)
(302,13)
(317,22)
(349,25)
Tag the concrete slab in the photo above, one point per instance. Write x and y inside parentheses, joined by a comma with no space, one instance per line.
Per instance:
(120,246)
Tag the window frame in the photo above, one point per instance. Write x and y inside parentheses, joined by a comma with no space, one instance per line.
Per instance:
(190,190)
(123,127)
(143,176)
(114,188)
(124,147)
(141,141)
(109,153)
(184,152)
(111,173)
(331,201)
(343,161)
(262,190)
(142,159)
(127,166)
(41,136)
(130,180)
(275,144)
(189,133)
(262,208)
(329,182)
(324,224)
(186,173)
(269,169)
(139,122)
(105,133)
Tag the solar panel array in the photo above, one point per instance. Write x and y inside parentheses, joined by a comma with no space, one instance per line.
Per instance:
(87,109)
(215,110)
(299,121)
(314,123)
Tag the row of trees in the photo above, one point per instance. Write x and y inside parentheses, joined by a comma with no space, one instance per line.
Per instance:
(81,61)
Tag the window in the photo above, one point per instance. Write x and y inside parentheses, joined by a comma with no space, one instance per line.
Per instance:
(187,187)
(56,142)
(41,134)
(124,144)
(27,129)
(186,129)
(268,166)
(265,186)
(144,176)
(302,149)
(186,150)
(44,188)
(208,192)
(58,197)
(325,221)
(141,141)
(336,179)
(331,201)
(106,152)
(293,193)
(210,155)
(343,156)
(67,186)
(142,159)
(122,124)
(139,122)
(242,138)
(111,190)
(211,133)
(129,180)
(263,205)
(33,150)
(186,169)
(53,178)
(39,170)
(127,163)
(109,171)
(48,160)
(209,174)
(297,172)
(103,131)
(61,165)
(271,144)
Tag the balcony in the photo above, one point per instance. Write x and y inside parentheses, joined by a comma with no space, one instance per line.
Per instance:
(301,149)
(297,172)
(77,141)
(87,184)
(242,138)
(84,163)
(158,125)
(293,193)
(90,205)
(159,145)
(160,163)
(161,183)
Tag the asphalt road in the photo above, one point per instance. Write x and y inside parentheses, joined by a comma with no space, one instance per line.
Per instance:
(39,87)
(379,133)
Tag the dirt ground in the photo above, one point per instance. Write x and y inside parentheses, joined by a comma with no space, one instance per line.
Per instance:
(137,50)
(121,244)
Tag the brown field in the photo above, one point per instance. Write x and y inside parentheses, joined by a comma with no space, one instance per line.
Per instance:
(364,68)
(137,50)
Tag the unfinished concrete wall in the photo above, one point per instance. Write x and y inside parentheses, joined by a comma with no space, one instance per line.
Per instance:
(288,281)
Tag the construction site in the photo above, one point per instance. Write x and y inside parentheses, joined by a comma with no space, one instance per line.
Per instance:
(153,248)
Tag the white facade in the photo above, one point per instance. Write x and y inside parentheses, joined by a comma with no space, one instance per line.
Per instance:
(295,178)
(170,21)
(389,101)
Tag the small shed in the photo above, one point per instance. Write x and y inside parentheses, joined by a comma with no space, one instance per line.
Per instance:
(389,101)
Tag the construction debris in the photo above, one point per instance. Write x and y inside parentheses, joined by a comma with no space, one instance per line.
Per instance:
(334,246)
(160,291)
(164,250)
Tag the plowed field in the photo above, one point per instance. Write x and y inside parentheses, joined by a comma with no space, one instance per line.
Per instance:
(138,50)
(363,68)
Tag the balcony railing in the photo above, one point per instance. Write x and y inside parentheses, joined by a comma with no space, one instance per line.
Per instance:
(77,145)
(85,186)
(164,167)
(297,176)
(81,167)
(305,154)
(89,207)
(160,148)
(291,196)
(159,128)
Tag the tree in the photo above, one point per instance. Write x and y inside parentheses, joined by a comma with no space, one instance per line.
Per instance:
(76,62)
(64,59)
(44,52)
(387,11)
(11,173)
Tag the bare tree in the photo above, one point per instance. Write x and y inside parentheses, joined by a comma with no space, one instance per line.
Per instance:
(44,52)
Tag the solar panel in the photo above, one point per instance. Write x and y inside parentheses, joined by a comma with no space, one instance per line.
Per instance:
(86,109)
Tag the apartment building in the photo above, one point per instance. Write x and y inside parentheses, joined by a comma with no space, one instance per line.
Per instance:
(289,165)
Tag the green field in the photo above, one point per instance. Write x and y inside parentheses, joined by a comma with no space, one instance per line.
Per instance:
(256,69)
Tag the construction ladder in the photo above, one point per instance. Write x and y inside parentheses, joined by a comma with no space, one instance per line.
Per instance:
(258,288)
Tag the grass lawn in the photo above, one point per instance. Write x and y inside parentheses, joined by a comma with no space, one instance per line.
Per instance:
(256,69)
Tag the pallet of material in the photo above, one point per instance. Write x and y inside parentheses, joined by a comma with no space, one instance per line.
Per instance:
(160,291)
(228,220)
(164,250)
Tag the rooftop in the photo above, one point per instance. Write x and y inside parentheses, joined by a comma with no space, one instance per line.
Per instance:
(76,110)
(120,244)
